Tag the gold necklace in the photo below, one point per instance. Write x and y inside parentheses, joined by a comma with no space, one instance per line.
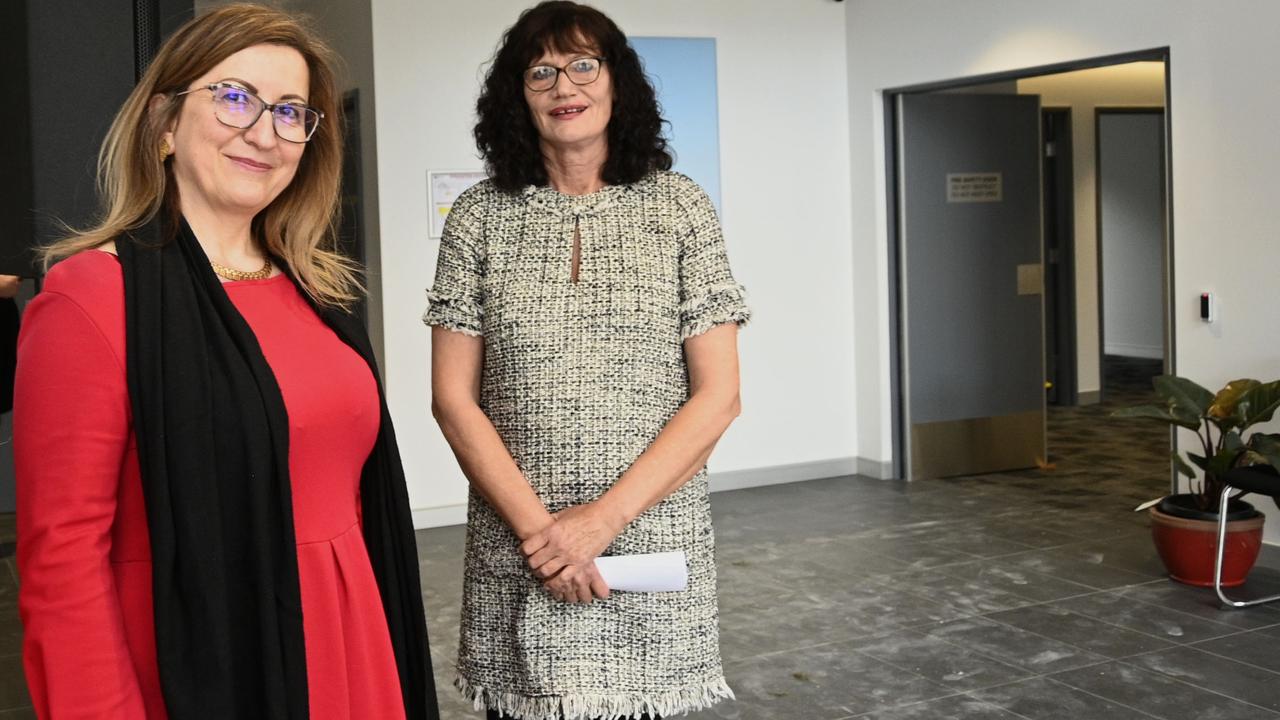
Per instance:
(232,274)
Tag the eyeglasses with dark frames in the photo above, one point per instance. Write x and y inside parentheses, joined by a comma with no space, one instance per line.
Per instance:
(582,71)
(237,107)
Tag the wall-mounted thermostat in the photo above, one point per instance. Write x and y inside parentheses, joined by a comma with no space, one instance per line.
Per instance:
(1208,307)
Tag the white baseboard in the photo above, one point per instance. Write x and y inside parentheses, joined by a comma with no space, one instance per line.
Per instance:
(720,481)
(1152,352)
(875,469)
(442,516)
(780,474)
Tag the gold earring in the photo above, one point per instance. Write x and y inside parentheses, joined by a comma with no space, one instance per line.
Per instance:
(165,148)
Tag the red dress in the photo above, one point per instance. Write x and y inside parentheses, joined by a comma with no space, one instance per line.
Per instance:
(83,551)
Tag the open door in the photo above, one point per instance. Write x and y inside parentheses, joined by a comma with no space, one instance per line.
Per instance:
(971,279)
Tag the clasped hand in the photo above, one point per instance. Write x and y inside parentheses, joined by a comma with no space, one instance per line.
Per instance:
(563,555)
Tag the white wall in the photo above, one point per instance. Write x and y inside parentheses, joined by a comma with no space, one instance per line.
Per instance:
(348,27)
(1139,84)
(1131,216)
(1224,155)
(785,183)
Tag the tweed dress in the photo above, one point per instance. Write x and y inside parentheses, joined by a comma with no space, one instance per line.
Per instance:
(579,378)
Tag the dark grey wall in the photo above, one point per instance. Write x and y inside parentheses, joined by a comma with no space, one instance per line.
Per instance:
(74,63)
(15,142)
(67,67)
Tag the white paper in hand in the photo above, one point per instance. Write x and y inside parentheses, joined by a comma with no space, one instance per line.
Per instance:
(656,572)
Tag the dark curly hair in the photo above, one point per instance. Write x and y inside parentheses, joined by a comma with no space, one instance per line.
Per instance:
(504,132)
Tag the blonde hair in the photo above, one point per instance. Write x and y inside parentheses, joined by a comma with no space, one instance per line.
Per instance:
(135,183)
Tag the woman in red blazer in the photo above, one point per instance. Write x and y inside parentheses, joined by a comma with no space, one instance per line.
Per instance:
(212,517)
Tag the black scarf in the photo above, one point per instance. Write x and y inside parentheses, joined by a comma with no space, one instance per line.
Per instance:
(213,449)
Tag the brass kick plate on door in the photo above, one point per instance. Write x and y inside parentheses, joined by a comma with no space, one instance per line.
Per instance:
(1030,279)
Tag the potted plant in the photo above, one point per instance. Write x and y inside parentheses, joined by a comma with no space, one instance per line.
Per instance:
(1184,525)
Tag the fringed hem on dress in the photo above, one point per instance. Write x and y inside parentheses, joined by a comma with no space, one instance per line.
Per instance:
(590,706)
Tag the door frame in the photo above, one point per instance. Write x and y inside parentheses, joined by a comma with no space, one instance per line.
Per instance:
(889,98)
(1166,250)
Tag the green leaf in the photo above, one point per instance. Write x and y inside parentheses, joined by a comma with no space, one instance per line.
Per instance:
(1231,442)
(1251,457)
(1266,445)
(1225,408)
(1187,401)
(1199,461)
(1258,404)
(1222,461)
(1182,465)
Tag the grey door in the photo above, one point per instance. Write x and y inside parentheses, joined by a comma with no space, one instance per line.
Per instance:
(971,279)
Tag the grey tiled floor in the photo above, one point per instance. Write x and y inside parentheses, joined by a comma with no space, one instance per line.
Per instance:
(964,605)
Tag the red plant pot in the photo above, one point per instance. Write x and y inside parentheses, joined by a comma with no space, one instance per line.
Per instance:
(1188,548)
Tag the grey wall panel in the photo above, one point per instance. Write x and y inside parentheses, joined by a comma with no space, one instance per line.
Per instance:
(15,142)
(81,68)
(69,66)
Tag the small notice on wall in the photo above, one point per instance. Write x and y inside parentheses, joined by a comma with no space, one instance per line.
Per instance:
(974,187)
(443,187)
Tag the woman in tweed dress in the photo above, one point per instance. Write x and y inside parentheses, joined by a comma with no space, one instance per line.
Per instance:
(584,365)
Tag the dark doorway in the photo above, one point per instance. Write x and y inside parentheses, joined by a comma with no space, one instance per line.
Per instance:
(1059,259)
(351,239)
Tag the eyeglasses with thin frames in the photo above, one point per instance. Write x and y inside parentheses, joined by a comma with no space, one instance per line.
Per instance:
(239,108)
(582,71)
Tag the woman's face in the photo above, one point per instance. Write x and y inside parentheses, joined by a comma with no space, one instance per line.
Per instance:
(570,116)
(234,171)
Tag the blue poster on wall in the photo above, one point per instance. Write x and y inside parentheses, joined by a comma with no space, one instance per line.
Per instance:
(683,71)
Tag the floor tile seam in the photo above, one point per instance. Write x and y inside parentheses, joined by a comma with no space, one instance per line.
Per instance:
(869,713)
(1103,564)
(871,534)
(1079,647)
(972,651)
(1089,589)
(771,653)
(1234,630)
(1046,637)
(1045,676)
(1239,631)
(941,542)
(998,706)
(931,682)
(1121,627)
(1140,711)
(1268,671)
(881,580)
(1180,681)
(967,694)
